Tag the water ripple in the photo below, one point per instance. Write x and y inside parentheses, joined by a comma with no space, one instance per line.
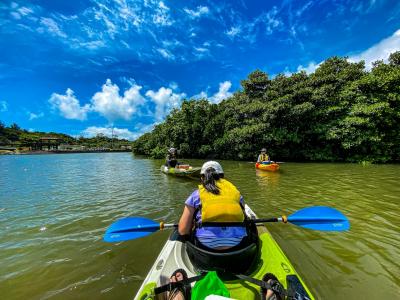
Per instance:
(75,197)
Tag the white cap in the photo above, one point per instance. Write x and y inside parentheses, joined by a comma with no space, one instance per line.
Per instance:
(212,164)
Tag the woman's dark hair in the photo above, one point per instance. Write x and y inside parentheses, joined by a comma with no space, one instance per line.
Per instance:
(208,180)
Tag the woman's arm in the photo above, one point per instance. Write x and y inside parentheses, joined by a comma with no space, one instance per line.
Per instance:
(186,221)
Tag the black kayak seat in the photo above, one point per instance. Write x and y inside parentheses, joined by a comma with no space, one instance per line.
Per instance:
(231,260)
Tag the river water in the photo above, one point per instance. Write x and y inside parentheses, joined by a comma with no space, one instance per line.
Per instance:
(54,210)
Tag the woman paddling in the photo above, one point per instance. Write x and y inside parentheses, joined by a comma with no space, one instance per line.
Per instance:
(216,200)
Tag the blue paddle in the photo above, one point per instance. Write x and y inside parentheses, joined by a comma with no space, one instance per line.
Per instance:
(133,228)
(317,218)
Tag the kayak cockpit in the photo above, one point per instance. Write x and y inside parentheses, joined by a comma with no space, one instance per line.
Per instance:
(270,259)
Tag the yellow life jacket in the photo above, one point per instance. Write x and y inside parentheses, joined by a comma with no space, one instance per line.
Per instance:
(264,157)
(224,207)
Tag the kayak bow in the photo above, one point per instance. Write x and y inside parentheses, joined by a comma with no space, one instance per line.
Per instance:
(272,260)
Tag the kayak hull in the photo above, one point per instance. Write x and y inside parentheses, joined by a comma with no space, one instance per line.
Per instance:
(273,167)
(189,172)
(272,260)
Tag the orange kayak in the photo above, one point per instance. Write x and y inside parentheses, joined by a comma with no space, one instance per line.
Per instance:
(270,167)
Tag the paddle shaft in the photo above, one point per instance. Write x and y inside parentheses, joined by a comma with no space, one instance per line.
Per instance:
(283,219)
(145,228)
(316,218)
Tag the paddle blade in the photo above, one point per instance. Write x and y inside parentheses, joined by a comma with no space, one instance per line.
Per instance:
(130,228)
(320,218)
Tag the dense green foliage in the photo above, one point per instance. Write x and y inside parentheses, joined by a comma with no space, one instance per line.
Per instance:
(17,137)
(341,112)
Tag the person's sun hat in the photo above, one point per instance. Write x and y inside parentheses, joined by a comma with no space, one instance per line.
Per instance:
(212,164)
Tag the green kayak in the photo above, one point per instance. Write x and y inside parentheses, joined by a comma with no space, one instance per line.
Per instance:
(187,171)
(174,256)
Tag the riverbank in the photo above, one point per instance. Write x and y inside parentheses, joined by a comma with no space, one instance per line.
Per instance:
(39,152)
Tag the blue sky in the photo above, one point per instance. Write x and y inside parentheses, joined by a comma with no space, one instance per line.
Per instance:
(80,67)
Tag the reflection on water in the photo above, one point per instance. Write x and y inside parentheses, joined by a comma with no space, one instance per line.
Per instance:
(267,179)
(75,197)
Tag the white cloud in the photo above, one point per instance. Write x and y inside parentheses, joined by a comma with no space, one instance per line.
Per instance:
(109,17)
(173,43)
(201,95)
(3,106)
(201,49)
(234,31)
(173,85)
(15,15)
(52,27)
(270,20)
(162,5)
(128,80)
(264,24)
(91,45)
(310,68)
(379,51)
(120,133)
(222,93)
(302,9)
(20,12)
(33,116)
(165,100)
(200,11)
(201,52)
(68,105)
(165,53)
(24,11)
(161,17)
(112,106)
(143,128)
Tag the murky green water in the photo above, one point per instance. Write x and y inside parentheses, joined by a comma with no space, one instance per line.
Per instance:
(55,208)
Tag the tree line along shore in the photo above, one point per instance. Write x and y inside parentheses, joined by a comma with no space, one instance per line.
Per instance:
(14,140)
(342,112)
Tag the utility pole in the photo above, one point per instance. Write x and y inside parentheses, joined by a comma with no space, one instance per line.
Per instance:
(112,137)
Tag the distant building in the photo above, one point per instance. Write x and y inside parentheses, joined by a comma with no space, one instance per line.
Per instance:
(49,143)
(126,147)
(68,147)
(7,148)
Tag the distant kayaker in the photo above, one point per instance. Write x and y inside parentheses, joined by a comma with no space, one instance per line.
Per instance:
(171,160)
(263,157)
(215,200)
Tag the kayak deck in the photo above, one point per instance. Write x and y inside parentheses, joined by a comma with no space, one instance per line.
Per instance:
(270,167)
(173,256)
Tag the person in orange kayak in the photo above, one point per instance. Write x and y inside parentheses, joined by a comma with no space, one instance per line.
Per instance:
(263,158)
(215,200)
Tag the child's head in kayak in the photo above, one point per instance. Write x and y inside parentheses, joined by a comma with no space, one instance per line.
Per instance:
(263,150)
(211,171)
